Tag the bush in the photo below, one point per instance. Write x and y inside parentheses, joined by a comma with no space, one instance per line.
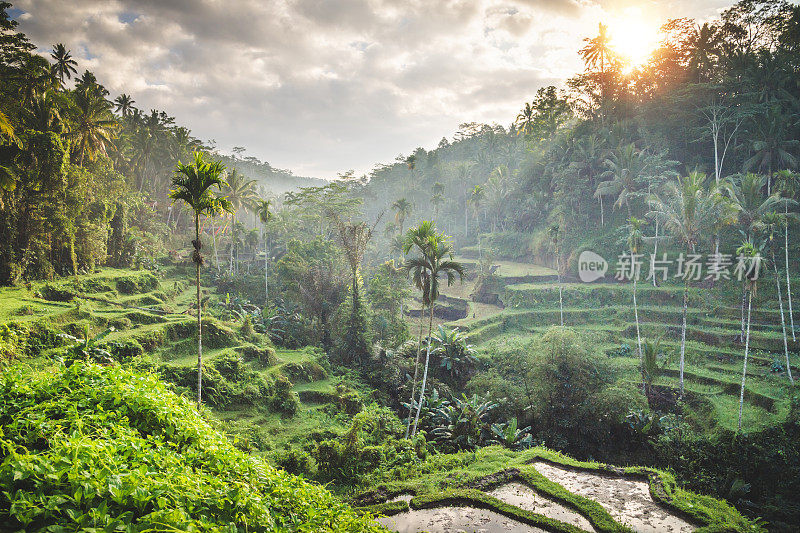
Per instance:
(56,292)
(105,448)
(124,351)
(304,372)
(144,282)
(284,400)
(265,355)
(295,462)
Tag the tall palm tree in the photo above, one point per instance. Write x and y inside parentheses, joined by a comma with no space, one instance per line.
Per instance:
(705,43)
(64,66)
(789,187)
(773,145)
(771,223)
(598,50)
(687,211)
(242,194)
(192,185)
(92,125)
(123,104)
(635,240)
(434,261)
(264,212)
(555,239)
(402,209)
(418,237)
(475,199)
(525,119)
(747,250)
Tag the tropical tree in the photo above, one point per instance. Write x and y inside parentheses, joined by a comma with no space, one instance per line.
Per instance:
(748,252)
(510,436)
(635,240)
(789,187)
(626,167)
(402,209)
(524,120)
(598,50)
(192,185)
(435,260)
(773,146)
(242,194)
(650,364)
(770,224)
(555,239)
(475,200)
(456,355)
(92,126)
(264,211)
(687,211)
(64,66)
(123,104)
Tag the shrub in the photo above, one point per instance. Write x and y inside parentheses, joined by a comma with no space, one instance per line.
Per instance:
(108,449)
(144,282)
(265,355)
(124,351)
(284,400)
(296,462)
(56,292)
(304,372)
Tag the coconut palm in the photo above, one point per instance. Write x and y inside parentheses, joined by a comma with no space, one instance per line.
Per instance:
(192,185)
(123,104)
(435,260)
(92,125)
(749,252)
(525,119)
(598,50)
(64,66)
(687,211)
(475,199)
(626,166)
(770,224)
(789,186)
(773,145)
(264,212)
(402,209)
(242,194)
(635,240)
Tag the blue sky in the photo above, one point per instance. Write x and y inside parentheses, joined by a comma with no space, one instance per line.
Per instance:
(323,86)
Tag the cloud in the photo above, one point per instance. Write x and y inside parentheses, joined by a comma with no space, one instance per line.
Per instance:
(321,86)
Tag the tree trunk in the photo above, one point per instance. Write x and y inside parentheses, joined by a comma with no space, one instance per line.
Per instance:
(638,336)
(655,253)
(416,369)
(746,348)
(786,258)
(266,273)
(425,372)
(199,315)
(214,243)
(783,320)
(560,290)
(683,330)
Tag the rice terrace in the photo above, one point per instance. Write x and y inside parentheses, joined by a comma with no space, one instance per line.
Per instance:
(569,304)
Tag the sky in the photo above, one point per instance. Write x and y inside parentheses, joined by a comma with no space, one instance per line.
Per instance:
(320,87)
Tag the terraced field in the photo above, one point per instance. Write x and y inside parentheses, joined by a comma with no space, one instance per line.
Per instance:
(604,311)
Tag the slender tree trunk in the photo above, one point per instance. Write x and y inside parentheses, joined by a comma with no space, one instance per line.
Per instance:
(425,372)
(638,335)
(655,253)
(560,290)
(746,349)
(786,258)
(783,320)
(602,220)
(214,243)
(416,369)
(744,300)
(683,330)
(266,272)
(199,315)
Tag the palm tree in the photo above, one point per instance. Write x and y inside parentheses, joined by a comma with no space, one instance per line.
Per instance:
(264,212)
(705,47)
(553,231)
(635,239)
(747,250)
(241,193)
(123,104)
(64,66)
(92,125)
(625,168)
(475,199)
(773,145)
(192,184)
(455,352)
(524,120)
(435,260)
(402,209)
(418,237)
(598,49)
(789,186)
(687,211)
(770,223)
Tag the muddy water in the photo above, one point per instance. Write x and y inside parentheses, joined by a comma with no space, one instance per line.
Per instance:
(525,498)
(453,520)
(628,501)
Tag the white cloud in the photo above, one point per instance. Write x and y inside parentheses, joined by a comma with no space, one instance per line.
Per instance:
(322,86)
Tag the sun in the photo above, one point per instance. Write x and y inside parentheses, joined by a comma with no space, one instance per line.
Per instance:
(633,36)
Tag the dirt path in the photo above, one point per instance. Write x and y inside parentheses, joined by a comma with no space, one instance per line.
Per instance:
(455,519)
(628,501)
(525,498)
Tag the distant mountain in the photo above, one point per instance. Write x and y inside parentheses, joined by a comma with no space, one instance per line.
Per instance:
(275,180)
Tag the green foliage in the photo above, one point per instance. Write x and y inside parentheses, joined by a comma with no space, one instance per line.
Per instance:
(91,447)
(284,400)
